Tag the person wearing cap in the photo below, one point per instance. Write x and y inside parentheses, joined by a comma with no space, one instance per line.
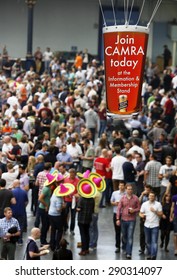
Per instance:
(70,199)
(56,213)
(63,253)
(85,208)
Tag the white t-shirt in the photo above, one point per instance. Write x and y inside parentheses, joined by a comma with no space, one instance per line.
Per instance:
(116,165)
(164,169)
(10,177)
(115,197)
(152,219)
(138,149)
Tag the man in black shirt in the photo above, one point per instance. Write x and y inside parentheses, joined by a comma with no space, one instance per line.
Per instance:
(6,198)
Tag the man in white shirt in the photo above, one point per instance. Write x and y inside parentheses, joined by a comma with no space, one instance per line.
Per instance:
(75,151)
(151,211)
(6,147)
(10,175)
(47,56)
(165,173)
(137,148)
(117,170)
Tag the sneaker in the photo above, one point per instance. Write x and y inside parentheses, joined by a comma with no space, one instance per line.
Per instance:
(148,258)
(175,253)
(72,232)
(117,250)
(128,257)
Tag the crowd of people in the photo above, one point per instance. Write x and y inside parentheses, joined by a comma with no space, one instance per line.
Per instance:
(54,119)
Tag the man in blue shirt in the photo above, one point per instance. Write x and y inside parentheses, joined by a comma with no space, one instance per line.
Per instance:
(64,157)
(19,209)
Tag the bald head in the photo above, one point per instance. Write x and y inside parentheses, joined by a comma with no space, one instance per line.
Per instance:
(35,233)
(104,152)
(16,183)
(6,139)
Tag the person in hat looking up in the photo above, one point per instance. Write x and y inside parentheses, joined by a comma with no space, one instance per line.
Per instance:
(85,208)
(55,212)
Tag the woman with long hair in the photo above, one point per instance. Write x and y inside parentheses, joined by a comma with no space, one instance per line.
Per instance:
(102,117)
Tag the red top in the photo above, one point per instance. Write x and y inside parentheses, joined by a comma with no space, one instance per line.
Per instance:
(123,208)
(100,165)
(169,107)
(73,182)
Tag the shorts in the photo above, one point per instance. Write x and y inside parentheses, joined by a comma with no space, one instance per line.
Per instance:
(175,225)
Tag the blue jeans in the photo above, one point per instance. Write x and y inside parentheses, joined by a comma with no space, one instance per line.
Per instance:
(102,129)
(127,228)
(93,231)
(151,237)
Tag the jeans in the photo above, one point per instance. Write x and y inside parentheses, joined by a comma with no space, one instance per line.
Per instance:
(102,129)
(151,236)
(127,228)
(93,231)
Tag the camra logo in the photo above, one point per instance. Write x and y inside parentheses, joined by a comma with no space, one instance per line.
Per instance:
(123,103)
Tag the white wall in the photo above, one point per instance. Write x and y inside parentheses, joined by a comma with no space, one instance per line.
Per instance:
(61,24)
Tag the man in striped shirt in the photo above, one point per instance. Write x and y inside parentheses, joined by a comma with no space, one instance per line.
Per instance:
(127,211)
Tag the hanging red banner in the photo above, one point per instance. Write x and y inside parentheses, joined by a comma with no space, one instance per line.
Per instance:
(124,58)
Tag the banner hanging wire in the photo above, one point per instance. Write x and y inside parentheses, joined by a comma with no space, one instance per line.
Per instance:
(154,12)
(101,8)
(140,12)
(131,9)
(126,4)
(113,10)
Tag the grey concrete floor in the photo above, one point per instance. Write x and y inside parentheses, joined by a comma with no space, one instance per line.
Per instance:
(106,242)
